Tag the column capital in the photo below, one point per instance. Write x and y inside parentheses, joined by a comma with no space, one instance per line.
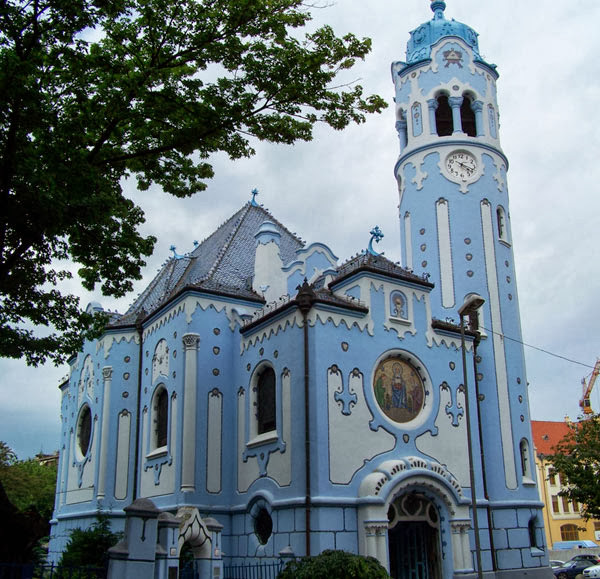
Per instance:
(477,106)
(455,102)
(433,104)
(190,341)
(107,373)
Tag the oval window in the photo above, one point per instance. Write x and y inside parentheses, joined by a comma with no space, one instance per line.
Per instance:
(84,430)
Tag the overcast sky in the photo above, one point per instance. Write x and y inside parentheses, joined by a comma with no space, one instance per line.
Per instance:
(336,188)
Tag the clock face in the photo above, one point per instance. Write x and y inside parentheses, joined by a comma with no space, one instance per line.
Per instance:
(462,165)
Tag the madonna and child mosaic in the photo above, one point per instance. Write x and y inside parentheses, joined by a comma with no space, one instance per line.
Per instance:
(398,389)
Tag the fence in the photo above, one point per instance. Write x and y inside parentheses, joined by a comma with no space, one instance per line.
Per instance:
(254,571)
(49,571)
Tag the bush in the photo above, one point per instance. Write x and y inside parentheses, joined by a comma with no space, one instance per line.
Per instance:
(89,547)
(334,565)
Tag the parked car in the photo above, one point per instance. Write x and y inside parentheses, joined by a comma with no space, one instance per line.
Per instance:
(594,559)
(571,569)
(556,563)
(593,571)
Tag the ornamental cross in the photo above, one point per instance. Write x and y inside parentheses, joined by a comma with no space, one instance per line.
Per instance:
(377,236)
(254,194)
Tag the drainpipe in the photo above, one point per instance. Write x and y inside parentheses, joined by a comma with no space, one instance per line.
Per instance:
(479,398)
(305,298)
(140,330)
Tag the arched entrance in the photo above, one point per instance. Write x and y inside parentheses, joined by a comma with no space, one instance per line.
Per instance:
(414,538)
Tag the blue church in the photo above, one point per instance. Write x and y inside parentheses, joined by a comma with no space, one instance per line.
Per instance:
(261,400)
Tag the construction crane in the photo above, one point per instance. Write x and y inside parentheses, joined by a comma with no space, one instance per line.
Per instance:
(587,390)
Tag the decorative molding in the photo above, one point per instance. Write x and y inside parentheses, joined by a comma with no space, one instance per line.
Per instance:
(190,341)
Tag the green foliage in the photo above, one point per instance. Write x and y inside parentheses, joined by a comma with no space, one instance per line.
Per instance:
(97,91)
(577,460)
(28,484)
(89,547)
(334,565)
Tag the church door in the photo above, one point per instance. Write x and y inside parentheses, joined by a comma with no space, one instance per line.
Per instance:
(413,539)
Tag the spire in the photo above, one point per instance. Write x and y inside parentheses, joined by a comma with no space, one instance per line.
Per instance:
(438,7)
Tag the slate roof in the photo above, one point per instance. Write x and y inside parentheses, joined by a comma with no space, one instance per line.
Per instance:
(377,264)
(223,263)
(547,434)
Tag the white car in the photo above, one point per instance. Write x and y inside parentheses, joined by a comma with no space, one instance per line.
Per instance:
(593,571)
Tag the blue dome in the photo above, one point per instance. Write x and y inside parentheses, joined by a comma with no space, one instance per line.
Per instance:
(426,35)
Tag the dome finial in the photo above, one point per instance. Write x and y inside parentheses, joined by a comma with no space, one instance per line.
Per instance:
(438,7)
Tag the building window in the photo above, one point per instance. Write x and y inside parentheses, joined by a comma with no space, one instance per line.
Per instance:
(552,477)
(263,526)
(532,533)
(565,504)
(160,411)
(501,222)
(84,430)
(266,401)
(569,533)
(443,117)
(555,507)
(467,116)
(525,462)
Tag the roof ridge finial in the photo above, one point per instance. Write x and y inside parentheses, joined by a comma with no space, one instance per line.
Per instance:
(438,7)
(254,194)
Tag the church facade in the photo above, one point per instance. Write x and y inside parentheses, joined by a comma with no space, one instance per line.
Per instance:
(272,401)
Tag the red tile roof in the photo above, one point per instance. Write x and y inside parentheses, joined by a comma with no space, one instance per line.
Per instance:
(547,434)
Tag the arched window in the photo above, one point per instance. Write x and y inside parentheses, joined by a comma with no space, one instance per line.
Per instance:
(467,116)
(443,117)
(160,413)
(569,533)
(266,401)
(84,430)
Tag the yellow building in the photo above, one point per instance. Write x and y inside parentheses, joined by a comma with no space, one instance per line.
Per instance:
(562,520)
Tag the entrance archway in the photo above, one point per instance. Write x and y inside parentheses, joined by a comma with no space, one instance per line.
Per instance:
(414,538)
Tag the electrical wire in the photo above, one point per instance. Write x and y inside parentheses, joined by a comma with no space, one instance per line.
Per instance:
(538,349)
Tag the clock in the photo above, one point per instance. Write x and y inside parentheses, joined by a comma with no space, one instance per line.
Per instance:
(462,165)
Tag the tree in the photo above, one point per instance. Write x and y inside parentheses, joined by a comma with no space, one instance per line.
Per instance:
(332,564)
(577,460)
(96,91)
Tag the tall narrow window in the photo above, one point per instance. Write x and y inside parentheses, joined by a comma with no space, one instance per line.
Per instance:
(265,400)
(532,533)
(443,117)
(501,220)
(552,477)
(555,507)
(467,116)
(161,417)
(525,465)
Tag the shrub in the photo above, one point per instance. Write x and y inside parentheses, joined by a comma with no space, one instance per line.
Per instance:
(332,564)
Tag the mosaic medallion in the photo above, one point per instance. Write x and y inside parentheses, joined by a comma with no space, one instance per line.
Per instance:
(398,389)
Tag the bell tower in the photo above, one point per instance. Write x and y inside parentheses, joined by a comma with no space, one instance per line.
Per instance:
(454,223)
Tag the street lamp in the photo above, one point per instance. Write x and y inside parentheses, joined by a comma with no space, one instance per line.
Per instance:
(470,306)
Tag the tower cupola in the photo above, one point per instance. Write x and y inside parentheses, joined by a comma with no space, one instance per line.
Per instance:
(429,33)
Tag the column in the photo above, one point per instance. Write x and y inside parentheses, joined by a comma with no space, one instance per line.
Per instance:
(107,377)
(188,459)
(402,128)
(477,107)
(432,105)
(455,103)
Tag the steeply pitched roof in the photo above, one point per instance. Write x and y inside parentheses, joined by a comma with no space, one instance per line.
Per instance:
(546,435)
(222,263)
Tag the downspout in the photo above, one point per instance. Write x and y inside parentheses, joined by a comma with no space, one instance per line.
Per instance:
(140,331)
(305,298)
(479,398)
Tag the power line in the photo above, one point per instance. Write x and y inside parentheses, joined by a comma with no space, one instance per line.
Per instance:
(538,349)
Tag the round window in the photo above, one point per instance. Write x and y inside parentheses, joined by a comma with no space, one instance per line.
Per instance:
(84,430)
(398,389)
(263,526)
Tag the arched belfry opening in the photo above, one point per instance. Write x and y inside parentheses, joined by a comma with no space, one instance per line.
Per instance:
(443,117)
(467,116)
